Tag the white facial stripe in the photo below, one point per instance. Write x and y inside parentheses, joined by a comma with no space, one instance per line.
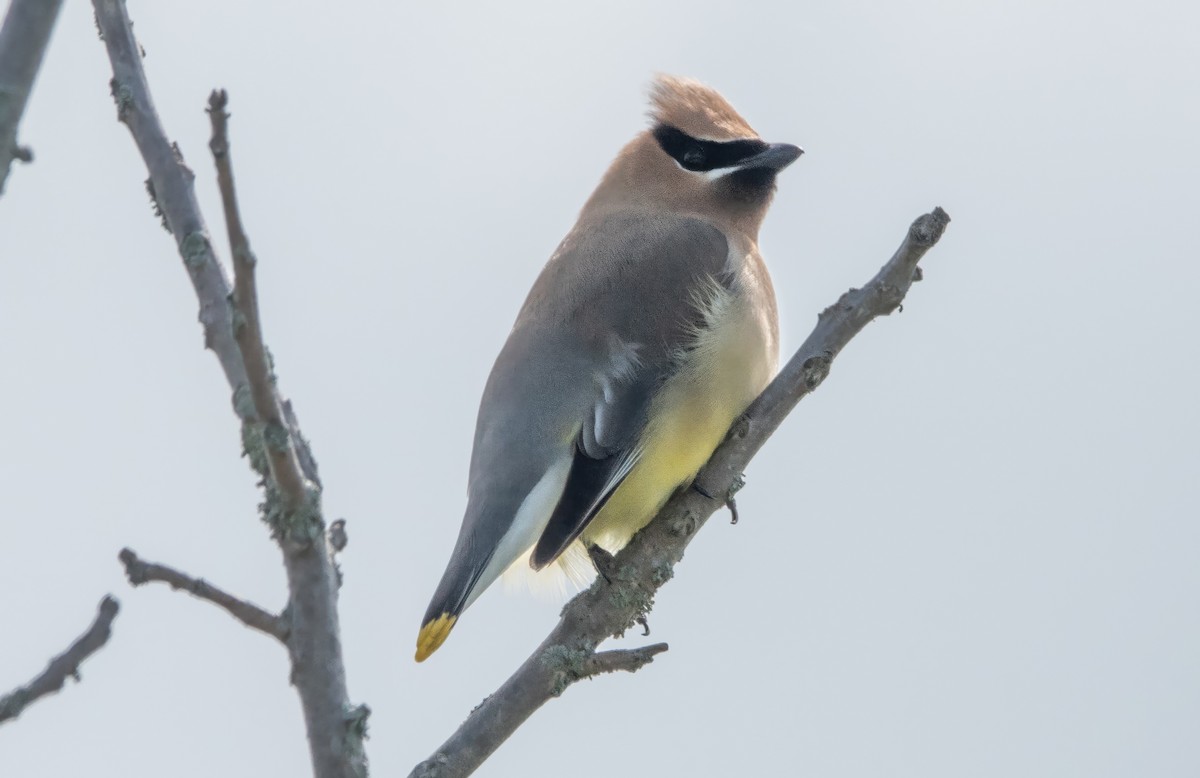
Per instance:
(719,172)
(710,175)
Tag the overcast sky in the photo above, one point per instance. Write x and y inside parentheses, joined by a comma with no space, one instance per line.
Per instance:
(972,552)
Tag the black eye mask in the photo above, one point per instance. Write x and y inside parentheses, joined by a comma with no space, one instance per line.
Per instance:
(704,155)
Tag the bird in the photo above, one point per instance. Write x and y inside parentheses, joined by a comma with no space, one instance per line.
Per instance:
(649,331)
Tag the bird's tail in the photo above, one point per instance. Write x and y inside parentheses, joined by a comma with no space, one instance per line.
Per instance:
(570,573)
(433,634)
(452,597)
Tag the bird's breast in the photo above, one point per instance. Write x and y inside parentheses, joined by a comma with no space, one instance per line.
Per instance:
(732,359)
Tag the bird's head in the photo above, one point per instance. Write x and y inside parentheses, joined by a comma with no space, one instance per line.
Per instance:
(699,156)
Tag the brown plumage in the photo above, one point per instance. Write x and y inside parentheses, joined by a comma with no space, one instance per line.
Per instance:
(696,109)
(643,176)
(649,331)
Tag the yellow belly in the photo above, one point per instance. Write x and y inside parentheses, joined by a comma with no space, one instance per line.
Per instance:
(731,363)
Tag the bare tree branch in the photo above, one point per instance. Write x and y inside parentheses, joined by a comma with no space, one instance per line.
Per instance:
(64,665)
(278,451)
(609,608)
(292,507)
(139,571)
(629,660)
(171,187)
(247,329)
(23,40)
(313,579)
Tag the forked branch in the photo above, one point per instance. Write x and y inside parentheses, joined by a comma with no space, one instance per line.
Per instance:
(247,325)
(272,439)
(608,608)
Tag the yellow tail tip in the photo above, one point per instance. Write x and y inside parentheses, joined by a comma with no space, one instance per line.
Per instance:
(433,635)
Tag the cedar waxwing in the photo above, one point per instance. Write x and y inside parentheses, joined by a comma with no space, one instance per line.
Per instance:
(649,331)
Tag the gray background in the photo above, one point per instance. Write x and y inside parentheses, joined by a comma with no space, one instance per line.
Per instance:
(972,552)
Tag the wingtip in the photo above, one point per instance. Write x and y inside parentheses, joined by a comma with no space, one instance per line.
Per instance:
(433,634)
(538,559)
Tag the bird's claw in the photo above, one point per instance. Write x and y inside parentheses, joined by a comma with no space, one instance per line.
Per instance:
(602,560)
(738,482)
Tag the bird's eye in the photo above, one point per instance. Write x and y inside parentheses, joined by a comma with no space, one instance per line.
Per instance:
(694,156)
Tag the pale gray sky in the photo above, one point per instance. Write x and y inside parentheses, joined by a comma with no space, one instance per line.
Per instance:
(972,552)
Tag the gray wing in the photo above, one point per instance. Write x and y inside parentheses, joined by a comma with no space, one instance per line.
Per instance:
(601,329)
(641,315)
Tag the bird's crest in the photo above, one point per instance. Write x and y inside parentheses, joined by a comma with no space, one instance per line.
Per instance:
(696,109)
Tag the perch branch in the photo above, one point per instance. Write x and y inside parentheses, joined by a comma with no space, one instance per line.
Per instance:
(64,665)
(23,41)
(335,728)
(139,571)
(609,608)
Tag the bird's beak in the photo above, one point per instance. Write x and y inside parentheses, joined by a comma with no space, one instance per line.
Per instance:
(776,157)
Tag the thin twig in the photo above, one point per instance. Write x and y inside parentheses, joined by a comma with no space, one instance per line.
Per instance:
(609,608)
(628,660)
(139,571)
(335,728)
(247,329)
(293,508)
(23,41)
(568,665)
(64,665)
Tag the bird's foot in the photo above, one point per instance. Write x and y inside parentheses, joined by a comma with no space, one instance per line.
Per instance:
(738,482)
(602,560)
